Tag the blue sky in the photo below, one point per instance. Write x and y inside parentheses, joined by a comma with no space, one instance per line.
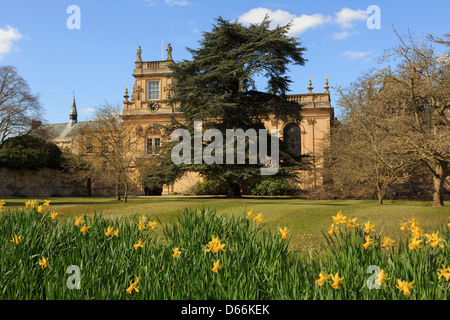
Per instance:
(97,60)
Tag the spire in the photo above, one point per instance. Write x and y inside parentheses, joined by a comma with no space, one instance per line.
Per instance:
(73,112)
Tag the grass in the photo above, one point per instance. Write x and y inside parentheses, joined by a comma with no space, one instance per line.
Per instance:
(306,218)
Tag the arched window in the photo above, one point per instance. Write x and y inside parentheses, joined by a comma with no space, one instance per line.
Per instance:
(292,138)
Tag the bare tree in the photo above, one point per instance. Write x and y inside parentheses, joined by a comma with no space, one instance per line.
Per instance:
(418,89)
(111,146)
(18,106)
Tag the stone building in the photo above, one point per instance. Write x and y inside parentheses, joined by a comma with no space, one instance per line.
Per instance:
(152,87)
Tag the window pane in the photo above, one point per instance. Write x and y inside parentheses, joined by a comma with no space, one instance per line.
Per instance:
(153,90)
(149,145)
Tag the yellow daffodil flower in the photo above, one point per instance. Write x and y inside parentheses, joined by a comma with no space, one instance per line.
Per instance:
(250,214)
(258,218)
(140,244)
(133,285)
(53,215)
(416,232)
(47,203)
(322,278)
(216,266)
(284,233)
(369,227)
(115,233)
(16,239)
(84,228)
(387,242)
(351,223)
(339,218)
(332,229)
(79,220)
(434,240)
(415,244)
(40,209)
(405,286)
(368,242)
(403,226)
(217,247)
(152,225)
(109,231)
(382,277)
(176,252)
(413,223)
(43,262)
(444,272)
(336,281)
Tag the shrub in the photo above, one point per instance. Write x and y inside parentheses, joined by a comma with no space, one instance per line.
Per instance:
(210,187)
(28,152)
(271,188)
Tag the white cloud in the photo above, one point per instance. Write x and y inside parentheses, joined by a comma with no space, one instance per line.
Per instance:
(87,111)
(341,35)
(279,17)
(346,17)
(7,37)
(356,54)
(181,3)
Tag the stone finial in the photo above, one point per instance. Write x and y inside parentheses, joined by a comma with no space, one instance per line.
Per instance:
(326,85)
(126,96)
(310,87)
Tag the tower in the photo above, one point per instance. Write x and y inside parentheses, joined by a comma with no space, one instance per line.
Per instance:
(73,113)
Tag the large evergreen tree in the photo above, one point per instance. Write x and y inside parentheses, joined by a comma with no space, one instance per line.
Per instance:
(219,87)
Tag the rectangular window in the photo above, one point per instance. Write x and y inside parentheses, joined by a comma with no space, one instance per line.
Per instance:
(153,145)
(153,90)
(89,145)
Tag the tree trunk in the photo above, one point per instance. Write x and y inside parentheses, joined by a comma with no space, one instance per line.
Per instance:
(117,189)
(235,190)
(438,184)
(380,198)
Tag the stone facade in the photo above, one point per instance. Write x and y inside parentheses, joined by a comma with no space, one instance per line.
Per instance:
(152,87)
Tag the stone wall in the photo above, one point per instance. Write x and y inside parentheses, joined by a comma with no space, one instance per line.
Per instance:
(43,183)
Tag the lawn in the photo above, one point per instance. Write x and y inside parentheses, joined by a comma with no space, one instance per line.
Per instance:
(306,219)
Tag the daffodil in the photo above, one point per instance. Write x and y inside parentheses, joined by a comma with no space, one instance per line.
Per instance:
(141,223)
(444,272)
(416,232)
(47,203)
(336,281)
(387,242)
(2,203)
(434,240)
(403,226)
(250,214)
(405,286)
(115,233)
(339,218)
(351,223)
(415,244)
(369,227)
(219,246)
(176,252)
(382,277)
(43,262)
(283,232)
(78,220)
(258,218)
(216,266)
(140,244)
(16,239)
(53,215)
(133,285)
(40,209)
(413,223)
(333,229)
(84,229)
(152,225)
(109,231)
(322,278)
(368,242)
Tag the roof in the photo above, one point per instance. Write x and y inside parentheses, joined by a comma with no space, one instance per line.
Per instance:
(62,130)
